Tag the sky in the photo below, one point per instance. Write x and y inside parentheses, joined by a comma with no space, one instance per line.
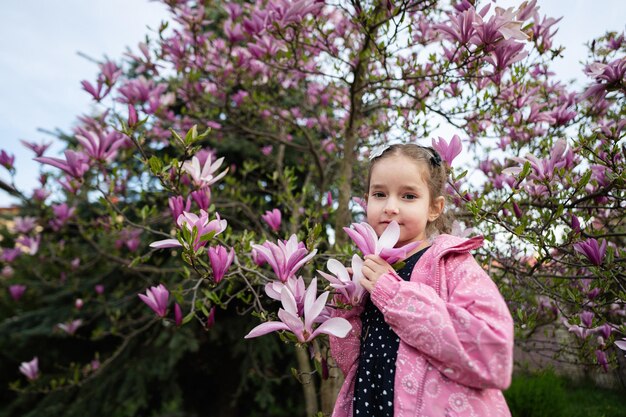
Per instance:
(41,69)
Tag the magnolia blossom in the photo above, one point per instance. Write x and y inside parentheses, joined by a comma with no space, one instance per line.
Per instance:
(560,157)
(24,224)
(62,213)
(131,238)
(28,244)
(38,148)
(191,221)
(101,146)
(348,286)
(364,236)
(156,298)
(202,198)
(16,291)
(9,254)
(30,369)
(71,326)
(178,315)
(273,219)
(295,285)
(220,259)
(448,151)
(204,175)
(602,360)
(302,327)
(178,205)
(210,320)
(75,163)
(285,257)
(591,250)
(7,160)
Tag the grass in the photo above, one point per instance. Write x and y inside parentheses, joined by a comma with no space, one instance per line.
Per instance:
(547,395)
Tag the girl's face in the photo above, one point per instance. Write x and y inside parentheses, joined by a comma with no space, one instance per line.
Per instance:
(398,191)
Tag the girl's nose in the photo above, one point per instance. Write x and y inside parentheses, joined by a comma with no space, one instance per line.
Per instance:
(389,210)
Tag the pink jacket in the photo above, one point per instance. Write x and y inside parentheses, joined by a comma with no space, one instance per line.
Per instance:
(456,337)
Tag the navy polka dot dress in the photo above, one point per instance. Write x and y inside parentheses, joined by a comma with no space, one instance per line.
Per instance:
(373,389)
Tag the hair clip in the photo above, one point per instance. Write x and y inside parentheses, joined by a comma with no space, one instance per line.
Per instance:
(435,159)
(379,151)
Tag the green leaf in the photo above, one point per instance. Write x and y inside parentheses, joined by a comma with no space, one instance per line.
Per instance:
(156,165)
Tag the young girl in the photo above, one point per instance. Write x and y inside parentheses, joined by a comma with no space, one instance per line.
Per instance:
(435,338)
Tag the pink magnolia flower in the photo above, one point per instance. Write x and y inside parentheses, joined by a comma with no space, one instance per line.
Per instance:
(348,286)
(579,331)
(542,169)
(220,259)
(101,146)
(38,148)
(302,327)
(295,285)
(132,116)
(7,160)
(191,221)
(7,271)
(156,298)
(273,219)
(364,236)
(99,288)
(203,175)
(16,291)
(10,254)
(24,224)
(95,91)
(75,163)
(285,257)
(79,303)
(75,263)
(129,238)
(28,244)
(602,360)
(586,318)
(178,205)
(30,369)
(202,198)
(210,320)
(360,202)
(461,26)
(178,315)
(448,151)
(62,213)
(591,250)
(71,326)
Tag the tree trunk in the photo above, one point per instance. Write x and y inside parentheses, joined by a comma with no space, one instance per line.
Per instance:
(308,383)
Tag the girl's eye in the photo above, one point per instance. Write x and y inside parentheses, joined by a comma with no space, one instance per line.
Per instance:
(378,194)
(410,197)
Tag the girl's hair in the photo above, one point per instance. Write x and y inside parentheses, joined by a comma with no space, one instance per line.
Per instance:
(434,171)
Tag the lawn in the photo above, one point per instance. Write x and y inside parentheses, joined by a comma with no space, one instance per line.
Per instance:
(548,395)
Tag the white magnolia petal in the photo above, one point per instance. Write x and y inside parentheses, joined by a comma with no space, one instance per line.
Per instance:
(316,308)
(337,326)
(288,301)
(389,238)
(265,328)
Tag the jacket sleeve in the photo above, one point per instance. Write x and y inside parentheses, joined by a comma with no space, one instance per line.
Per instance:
(468,338)
(345,351)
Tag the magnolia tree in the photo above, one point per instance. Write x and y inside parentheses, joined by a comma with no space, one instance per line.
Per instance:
(211,196)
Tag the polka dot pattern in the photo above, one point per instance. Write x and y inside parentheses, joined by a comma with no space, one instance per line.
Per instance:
(374,389)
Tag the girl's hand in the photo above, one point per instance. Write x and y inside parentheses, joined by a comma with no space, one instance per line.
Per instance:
(373,267)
